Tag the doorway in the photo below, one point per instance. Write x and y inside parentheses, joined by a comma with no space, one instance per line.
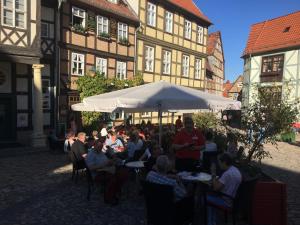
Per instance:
(7,116)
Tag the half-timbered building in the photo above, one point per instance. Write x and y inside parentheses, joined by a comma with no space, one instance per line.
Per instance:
(215,64)
(171,44)
(95,36)
(272,59)
(21,95)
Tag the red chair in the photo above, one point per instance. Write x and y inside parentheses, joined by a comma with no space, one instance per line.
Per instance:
(269,204)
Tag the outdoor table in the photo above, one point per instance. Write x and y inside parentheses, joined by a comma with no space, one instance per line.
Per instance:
(137,166)
(202,181)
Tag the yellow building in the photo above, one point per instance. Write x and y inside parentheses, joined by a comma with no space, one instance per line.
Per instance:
(171,44)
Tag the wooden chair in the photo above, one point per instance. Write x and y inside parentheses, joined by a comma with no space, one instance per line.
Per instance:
(77,165)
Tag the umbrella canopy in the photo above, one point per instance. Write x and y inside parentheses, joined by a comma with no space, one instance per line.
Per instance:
(158,96)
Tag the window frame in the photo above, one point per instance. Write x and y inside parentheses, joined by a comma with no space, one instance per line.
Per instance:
(77,61)
(185,68)
(83,17)
(187,32)
(271,76)
(148,59)
(48,29)
(102,25)
(145,114)
(124,76)
(198,68)
(170,20)
(151,13)
(14,11)
(46,96)
(122,25)
(200,34)
(164,61)
(100,59)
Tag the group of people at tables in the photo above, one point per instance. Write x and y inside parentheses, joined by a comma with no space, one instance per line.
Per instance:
(105,154)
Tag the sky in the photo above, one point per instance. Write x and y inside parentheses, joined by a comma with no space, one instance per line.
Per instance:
(234,19)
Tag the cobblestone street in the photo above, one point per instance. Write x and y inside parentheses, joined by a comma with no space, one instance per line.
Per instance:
(284,166)
(37,189)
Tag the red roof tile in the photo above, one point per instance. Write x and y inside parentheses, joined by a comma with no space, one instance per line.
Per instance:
(120,9)
(269,35)
(226,87)
(190,6)
(212,39)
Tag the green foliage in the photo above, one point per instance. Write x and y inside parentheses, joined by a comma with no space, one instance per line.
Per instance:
(104,35)
(89,85)
(91,23)
(79,28)
(206,120)
(124,41)
(264,119)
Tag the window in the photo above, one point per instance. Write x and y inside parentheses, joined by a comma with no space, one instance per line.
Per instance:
(185,65)
(122,31)
(121,70)
(77,64)
(101,66)
(166,62)
(44,30)
(151,14)
(149,59)
(272,68)
(102,25)
(187,29)
(46,93)
(13,13)
(78,17)
(198,68)
(200,34)
(146,114)
(169,22)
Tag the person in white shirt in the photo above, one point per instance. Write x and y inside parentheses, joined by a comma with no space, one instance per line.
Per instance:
(228,184)
(210,145)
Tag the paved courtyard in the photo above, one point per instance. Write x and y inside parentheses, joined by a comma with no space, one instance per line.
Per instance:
(37,189)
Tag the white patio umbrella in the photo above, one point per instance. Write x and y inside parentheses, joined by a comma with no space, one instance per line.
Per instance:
(159,96)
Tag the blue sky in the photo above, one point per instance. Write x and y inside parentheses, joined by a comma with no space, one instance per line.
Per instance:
(234,18)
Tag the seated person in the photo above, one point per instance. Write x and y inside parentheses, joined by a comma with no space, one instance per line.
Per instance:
(134,144)
(78,147)
(92,139)
(183,203)
(150,155)
(70,139)
(112,144)
(210,145)
(228,184)
(232,145)
(103,170)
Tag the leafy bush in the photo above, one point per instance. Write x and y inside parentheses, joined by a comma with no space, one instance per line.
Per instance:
(96,84)
(206,120)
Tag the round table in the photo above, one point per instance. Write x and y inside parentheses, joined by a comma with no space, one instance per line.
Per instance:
(135,164)
(197,177)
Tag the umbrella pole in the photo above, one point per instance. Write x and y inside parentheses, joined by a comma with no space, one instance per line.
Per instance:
(160,127)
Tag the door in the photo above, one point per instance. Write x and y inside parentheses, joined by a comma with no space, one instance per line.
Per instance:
(7,125)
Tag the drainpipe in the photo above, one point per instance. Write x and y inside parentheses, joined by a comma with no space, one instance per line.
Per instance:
(135,46)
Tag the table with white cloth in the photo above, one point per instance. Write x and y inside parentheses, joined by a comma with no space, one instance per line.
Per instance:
(203,182)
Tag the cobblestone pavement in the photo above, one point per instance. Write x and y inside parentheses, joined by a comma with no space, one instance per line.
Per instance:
(36,189)
(285,166)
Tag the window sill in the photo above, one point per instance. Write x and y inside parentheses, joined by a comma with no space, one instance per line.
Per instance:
(77,75)
(79,31)
(125,44)
(108,39)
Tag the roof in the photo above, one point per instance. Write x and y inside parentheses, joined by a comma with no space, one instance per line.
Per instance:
(226,87)
(190,6)
(212,40)
(278,33)
(120,9)
(235,88)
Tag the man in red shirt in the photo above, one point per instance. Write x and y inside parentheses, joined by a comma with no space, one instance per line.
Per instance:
(187,145)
